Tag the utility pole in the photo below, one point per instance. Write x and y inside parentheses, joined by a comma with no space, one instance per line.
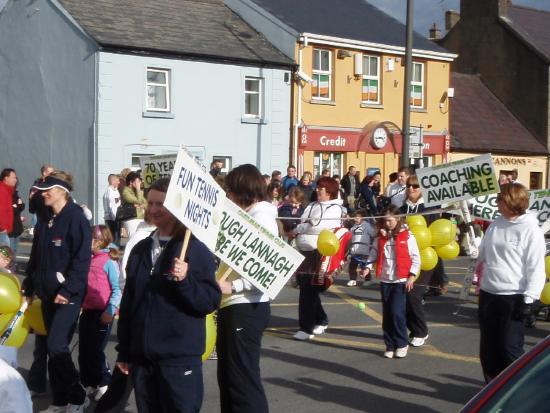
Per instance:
(405,157)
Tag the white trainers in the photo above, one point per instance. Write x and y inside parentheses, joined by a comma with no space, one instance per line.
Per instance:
(319,329)
(302,335)
(90,390)
(54,409)
(351,283)
(418,341)
(78,408)
(101,390)
(401,352)
(388,354)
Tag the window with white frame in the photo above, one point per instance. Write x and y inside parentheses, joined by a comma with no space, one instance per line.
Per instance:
(371,79)
(321,74)
(253,91)
(417,85)
(158,90)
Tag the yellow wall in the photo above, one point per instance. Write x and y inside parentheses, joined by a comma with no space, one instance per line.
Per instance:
(345,109)
(524,164)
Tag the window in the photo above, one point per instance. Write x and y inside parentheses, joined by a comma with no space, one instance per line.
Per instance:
(417,85)
(253,87)
(158,90)
(332,161)
(371,79)
(321,86)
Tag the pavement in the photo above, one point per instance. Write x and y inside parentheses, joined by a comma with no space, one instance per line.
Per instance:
(343,370)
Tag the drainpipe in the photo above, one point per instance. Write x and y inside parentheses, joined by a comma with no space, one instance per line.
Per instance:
(298,111)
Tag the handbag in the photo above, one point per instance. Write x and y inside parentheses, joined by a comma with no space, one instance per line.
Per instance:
(125,212)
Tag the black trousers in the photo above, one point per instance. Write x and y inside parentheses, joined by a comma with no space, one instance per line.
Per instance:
(310,310)
(439,277)
(60,323)
(501,332)
(167,388)
(92,340)
(36,379)
(240,329)
(416,320)
(114,226)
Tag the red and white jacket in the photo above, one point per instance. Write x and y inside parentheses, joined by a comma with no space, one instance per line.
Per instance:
(396,256)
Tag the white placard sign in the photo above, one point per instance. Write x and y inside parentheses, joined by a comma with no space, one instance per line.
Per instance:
(195,199)
(459,180)
(156,167)
(247,247)
(485,207)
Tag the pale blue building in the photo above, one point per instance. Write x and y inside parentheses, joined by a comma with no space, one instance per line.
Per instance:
(90,86)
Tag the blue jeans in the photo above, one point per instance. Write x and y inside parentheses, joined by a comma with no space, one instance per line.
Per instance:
(14,244)
(4,239)
(394,315)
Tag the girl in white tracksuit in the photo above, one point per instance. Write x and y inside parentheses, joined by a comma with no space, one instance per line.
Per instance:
(512,257)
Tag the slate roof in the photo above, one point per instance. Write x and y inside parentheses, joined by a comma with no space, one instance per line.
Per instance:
(348,19)
(199,28)
(533,26)
(482,123)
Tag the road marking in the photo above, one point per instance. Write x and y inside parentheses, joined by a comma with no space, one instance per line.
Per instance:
(371,326)
(426,350)
(295,304)
(376,316)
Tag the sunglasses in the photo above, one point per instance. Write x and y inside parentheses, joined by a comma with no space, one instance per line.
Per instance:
(416,186)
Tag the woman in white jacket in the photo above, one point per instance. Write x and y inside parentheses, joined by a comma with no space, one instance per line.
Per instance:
(511,258)
(324,214)
(244,311)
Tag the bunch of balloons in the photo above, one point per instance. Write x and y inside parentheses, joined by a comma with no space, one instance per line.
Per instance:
(328,243)
(16,319)
(436,240)
(545,295)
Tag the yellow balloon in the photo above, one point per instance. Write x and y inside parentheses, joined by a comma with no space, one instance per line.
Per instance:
(545,295)
(547,266)
(449,251)
(328,243)
(416,221)
(210,336)
(443,232)
(33,319)
(423,236)
(428,259)
(19,333)
(10,293)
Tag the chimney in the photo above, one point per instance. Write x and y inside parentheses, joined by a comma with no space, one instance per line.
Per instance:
(451,18)
(435,33)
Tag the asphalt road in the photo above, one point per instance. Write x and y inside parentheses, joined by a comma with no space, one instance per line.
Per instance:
(343,370)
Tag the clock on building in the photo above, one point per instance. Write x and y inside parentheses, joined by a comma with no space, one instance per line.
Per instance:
(379,138)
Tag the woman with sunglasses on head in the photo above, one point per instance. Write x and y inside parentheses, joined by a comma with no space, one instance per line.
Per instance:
(57,273)
(511,256)
(325,213)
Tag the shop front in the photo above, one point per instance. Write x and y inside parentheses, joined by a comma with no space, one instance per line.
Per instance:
(531,170)
(376,146)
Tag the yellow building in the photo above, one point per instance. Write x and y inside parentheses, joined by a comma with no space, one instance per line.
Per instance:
(348,94)
(348,105)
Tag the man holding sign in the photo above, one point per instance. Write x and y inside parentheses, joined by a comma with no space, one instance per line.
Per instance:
(245,311)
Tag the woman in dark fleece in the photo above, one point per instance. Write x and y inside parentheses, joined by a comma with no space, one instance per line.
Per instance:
(161,327)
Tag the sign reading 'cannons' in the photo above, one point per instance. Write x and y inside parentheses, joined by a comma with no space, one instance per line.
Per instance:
(457,181)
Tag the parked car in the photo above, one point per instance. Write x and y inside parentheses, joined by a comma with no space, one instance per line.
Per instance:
(522,387)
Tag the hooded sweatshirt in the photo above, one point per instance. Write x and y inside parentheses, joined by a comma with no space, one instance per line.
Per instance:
(317,217)
(265,214)
(512,253)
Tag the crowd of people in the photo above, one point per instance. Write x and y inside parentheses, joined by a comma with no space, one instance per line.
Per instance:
(83,277)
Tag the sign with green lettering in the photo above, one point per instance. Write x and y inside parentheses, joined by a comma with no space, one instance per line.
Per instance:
(485,207)
(259,256)
(457,181)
